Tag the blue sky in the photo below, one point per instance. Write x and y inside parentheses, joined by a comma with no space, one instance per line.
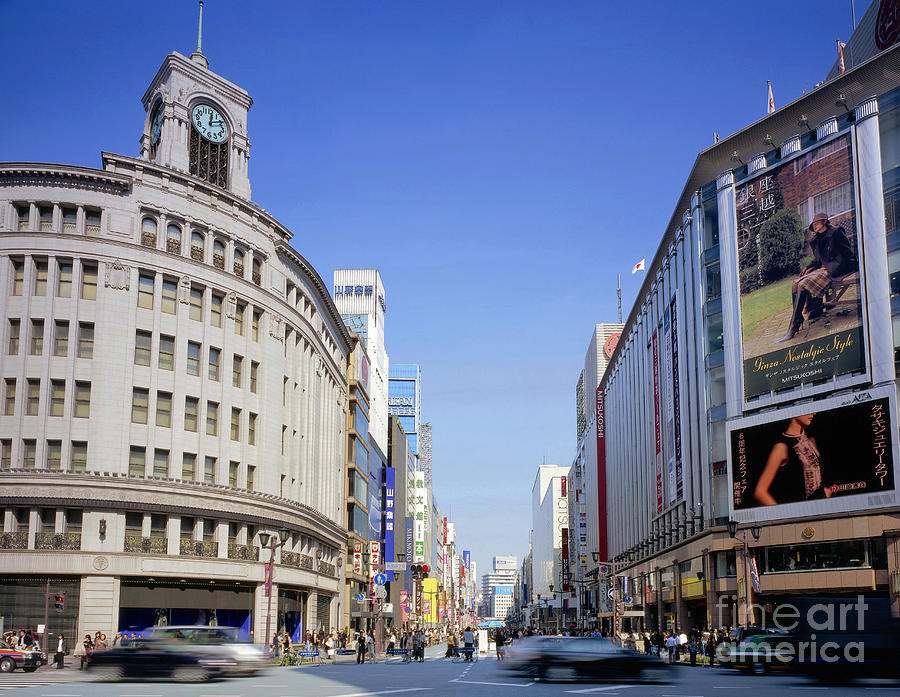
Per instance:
(499,161)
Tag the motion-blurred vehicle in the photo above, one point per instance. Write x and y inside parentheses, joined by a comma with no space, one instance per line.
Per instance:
(222,643)
(27,659)
(556,658)
(758,652)
(158,659)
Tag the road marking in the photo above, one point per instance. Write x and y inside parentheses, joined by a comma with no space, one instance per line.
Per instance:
(61,694)
(379,692)
(732,687)
(589,690)
(499,684)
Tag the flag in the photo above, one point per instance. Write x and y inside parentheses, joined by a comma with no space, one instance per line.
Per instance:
(297,636)
(754,575)
(639,266)
(841,46)
(771,103)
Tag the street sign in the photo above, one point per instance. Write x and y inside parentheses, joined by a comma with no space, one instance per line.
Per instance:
(380,592)
(380,579)
(387,608)
(603,569)
(360,596)
(395,566)
(611,594)
(628,600)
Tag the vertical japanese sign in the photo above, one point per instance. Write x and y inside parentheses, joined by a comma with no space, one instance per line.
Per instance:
(357,558)
(676,407)
(420,500)
(374,557)
(669,443)
(388,507)
(565,559)
(601,473)
(656,425)
(409,539)
(404,605)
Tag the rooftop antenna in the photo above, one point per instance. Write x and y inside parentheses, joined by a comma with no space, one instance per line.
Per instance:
(619,294)
(197,55)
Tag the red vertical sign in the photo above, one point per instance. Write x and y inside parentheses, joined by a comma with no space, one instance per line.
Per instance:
(656,427)
(601,474)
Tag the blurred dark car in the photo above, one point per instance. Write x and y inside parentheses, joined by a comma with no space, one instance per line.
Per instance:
(573,658)
(158,659)
(221,643)
(759,652)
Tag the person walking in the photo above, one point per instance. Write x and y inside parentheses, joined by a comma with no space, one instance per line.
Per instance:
(88,647)
(62,648)
(711,644)
(498,643)
(360,648)
(469,643)
(370,646)
(671,644)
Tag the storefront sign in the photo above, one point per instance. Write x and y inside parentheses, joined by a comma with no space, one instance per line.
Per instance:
(389,510)
(374,557)
(357,558)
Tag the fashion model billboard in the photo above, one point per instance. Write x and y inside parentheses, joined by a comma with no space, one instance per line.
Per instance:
(821,457)
(798,258)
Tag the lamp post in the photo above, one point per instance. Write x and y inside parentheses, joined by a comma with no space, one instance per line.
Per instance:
(268,540)
(755,530)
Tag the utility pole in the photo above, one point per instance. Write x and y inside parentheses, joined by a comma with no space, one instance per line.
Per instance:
(46,616)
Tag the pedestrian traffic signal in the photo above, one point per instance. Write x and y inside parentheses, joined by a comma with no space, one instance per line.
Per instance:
(59,602)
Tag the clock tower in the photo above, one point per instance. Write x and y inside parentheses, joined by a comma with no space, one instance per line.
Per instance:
(197,123)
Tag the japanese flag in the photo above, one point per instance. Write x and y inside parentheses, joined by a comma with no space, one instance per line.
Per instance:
(639,266)
(770,107)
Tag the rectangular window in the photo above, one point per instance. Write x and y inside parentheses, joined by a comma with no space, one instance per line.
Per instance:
(188,466)
(191,405)
(209,470)
(160,463)
(64,283)
(54,455)
(23,213)
(37,337)
(46,215)
(57,397)
(283,438)
(164,409)
(5,453)
(145,290)
(40,278)
(33,397)
(254,330)
(214,356)
(9,397)
(239,310)
(70,220)
(18,276)
(193,358)
(196,304)
(29,451)
(215,310)
(142,347)
(233,473)
(15,330)
(212,419)
(82,400)
(85,339)
(61,338)
(136,462)
(251,428)
(79,456)
(237,370)
(166,352)
(254,375)
(92,223)
(251,476)
(88,281)
(168,296)
(140,399)
(235,423)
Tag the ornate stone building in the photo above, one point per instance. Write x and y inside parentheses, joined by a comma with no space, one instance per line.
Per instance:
(173,385)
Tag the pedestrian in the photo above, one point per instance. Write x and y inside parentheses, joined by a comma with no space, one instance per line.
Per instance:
(370,646)
(469,643)
(498,643)
(671,645)
(693,648)
(392,641)
(62,649)
(102,644)
(329,645)
(88,647)
(711,644)
(360,648)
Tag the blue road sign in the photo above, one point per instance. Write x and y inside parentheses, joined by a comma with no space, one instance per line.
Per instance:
(360,596)
(380,579)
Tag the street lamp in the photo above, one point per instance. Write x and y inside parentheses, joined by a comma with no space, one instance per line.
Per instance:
(755,531)
(268,540)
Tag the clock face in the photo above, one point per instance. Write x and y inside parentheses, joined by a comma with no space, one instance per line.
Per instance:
(209,123)
(156,125)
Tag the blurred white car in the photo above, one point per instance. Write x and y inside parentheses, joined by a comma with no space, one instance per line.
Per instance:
(237,657)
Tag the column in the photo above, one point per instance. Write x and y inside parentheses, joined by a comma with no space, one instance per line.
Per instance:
(98,607)
(731,325)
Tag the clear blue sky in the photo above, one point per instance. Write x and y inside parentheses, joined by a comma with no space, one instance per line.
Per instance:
(498,161)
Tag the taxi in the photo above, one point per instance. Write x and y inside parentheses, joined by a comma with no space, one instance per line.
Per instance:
(12,658)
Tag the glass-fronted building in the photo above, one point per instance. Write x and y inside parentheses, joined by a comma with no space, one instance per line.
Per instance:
(404,399)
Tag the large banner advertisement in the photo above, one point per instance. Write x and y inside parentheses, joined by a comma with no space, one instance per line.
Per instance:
(798,258)
(676,407)
(840,457)
(656,427)
(601,472)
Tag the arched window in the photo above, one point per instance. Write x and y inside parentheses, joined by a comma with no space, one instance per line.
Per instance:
(257,272)
(219,254)
(197,245)
(238,262)
(148,232)
(173,239)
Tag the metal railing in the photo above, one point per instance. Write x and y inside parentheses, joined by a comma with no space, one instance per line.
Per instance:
(148,239)
(327,569)
(62,540)
(191,548)
(245,552)
(297,560)
(155,544)
(14,540)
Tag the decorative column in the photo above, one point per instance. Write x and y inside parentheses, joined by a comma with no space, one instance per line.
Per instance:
(731,326)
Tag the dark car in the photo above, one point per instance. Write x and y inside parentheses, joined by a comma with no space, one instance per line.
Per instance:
(759,652)
(573,658)
(27,659)
(158,659)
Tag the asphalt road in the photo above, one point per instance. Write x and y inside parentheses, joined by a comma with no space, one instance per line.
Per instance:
(435,677)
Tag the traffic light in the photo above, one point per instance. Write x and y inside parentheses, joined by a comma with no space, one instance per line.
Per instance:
(59,602)
(418,570)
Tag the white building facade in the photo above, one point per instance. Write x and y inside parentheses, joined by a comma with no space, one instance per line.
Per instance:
(174,383)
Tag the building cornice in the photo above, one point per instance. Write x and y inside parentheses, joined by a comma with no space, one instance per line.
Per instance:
(12,173)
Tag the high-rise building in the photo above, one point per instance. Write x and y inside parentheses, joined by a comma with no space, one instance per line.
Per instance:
(404,399)
(498,587)
(549,525)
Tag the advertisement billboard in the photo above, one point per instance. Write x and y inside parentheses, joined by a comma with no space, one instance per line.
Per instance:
(503,590)
(601,471)
(798,265)
(390,481)
(656,426)
(840,457)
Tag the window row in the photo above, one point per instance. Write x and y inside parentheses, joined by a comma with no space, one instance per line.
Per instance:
(48,217)
(196,300)
(174,238)
(60,338)
(159,463)
(53,455)
(81,397)
(40,276)
(140,413)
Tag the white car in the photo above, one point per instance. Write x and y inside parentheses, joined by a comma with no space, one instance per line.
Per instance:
(237,657)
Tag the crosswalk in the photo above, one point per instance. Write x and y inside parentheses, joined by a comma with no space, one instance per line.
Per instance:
(16,683)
